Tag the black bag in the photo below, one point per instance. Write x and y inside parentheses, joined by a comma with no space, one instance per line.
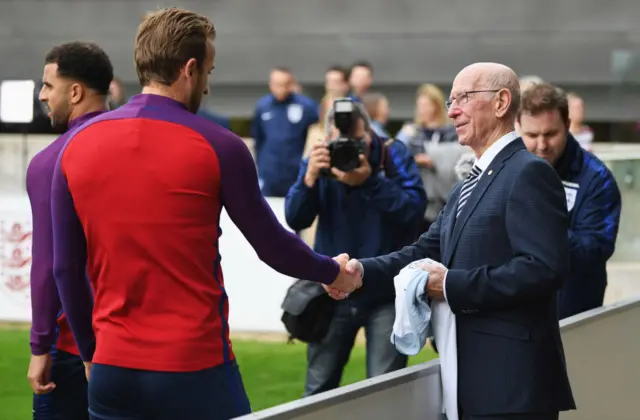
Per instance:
(308,311)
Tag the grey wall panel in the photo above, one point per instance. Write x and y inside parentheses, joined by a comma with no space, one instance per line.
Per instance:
(408,41)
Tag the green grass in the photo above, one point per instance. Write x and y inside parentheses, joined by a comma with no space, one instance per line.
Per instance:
(273,372)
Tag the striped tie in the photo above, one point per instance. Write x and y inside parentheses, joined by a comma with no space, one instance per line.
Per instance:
(467,188)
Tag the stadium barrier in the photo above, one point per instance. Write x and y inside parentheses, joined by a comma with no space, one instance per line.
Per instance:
(602,349)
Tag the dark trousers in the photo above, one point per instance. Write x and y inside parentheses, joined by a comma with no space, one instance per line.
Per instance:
(543,416)
(326,360)
(127,394)
(69,400)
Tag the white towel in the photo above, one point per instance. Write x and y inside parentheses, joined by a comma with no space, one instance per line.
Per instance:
(443,322)
(411,325)
(409,337)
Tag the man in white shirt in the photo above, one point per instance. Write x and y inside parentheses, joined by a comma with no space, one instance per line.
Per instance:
(502,241)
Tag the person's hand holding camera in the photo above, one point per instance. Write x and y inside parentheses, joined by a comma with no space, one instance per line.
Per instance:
(319,159)
(356,177)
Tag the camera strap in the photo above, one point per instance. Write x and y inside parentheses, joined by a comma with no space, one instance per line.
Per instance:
(384,151)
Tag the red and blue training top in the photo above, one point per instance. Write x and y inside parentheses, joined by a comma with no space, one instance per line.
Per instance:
(136,199)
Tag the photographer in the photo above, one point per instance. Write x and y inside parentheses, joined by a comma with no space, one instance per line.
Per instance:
(369,207)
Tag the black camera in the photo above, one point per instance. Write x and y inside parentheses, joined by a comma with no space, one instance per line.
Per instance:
(345,151)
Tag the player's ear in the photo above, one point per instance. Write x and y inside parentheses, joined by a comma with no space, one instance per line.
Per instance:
(191,68)
(76,93)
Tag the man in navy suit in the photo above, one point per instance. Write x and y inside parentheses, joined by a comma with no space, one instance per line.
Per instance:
(502,238)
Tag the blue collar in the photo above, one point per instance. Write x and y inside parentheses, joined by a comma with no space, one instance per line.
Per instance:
(570,161)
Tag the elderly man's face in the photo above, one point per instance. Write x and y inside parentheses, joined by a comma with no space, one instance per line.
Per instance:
(472,112)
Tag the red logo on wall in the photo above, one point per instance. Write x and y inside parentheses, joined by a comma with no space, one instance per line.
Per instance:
(15,258)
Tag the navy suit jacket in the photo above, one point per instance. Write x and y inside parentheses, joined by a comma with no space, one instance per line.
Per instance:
(507,255)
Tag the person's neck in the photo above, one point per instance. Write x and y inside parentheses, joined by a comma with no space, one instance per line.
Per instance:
(163,90)
(89,106)
(497,133)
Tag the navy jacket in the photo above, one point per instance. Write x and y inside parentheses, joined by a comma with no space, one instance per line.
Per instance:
(594,204)
(375,218)
(280,131)
(507,256)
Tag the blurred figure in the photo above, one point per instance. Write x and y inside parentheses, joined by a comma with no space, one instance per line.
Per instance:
(582,133)
(317,130)
(360,79)
(280,125)
(316,135)
(593,197)
(117,97)
(377,107)
(75,80)
(369,210)
(527,82)
(433,142)
(336,82)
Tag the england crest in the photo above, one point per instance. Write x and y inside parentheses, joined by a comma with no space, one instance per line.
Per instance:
(294,113)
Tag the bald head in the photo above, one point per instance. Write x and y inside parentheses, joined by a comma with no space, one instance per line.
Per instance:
(485,98)
(494,76)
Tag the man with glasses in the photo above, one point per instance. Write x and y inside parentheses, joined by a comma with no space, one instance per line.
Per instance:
(501,239)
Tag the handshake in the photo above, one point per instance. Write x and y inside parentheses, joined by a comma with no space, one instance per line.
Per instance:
(348,280)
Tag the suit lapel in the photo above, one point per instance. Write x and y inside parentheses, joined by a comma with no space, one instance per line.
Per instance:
(478,192)
(450,222)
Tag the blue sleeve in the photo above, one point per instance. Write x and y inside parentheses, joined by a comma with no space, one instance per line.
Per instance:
(592,237)
(400,196)
(256,129)
(536,222)
(301,205)
(70,262)
(314,115)
(45,303)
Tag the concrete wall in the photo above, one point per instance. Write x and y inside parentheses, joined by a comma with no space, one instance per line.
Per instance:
(588,45)
(601,351)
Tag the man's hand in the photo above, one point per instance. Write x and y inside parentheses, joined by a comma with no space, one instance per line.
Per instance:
(423,160)
(348,280)
(357,176)
(434,288)
(319,159)
(39,374)
(87,369)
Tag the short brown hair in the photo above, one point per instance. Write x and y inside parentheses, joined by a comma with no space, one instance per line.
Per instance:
(544,97)
(166,40)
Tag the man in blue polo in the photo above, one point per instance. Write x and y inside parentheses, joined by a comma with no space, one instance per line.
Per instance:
(593,197)
(280,126)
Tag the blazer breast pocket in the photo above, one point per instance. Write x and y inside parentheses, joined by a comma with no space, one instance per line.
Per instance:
(501,328)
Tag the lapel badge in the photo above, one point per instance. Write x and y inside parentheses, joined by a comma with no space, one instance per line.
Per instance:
(490,172)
